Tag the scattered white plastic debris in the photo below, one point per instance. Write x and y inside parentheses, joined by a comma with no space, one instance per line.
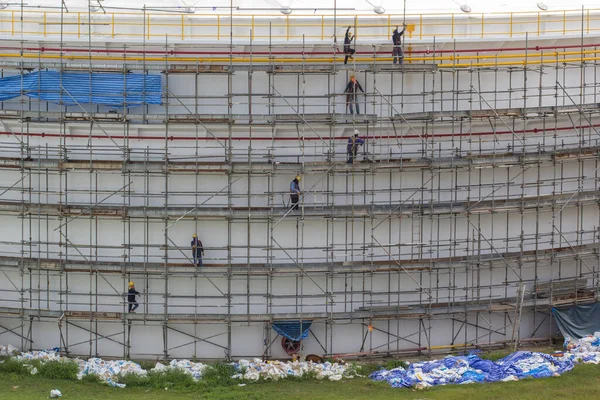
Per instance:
(108,371)
(34,371)
(159,367)
(190,367)
(54,393)
(585,350)
(242,384)
(275,370)
(9,350)
(44,355)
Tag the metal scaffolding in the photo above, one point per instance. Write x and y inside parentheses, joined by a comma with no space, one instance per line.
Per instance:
(479,178)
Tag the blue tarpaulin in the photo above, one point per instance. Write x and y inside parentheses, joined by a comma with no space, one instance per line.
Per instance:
(293,330)
(471,368)
(71,88)
(578,321)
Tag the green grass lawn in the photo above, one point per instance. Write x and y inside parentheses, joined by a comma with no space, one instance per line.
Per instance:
(581,383)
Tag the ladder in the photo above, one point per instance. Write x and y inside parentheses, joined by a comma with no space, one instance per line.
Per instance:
(416,236)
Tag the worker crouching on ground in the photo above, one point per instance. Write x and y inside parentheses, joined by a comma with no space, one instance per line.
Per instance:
(295,192)
(133,305)
(348,51)
(197,250)
(353,144)
(351,91)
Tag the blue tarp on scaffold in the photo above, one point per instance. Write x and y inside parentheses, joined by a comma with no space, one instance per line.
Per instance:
(578,321)
(76,88)
(293,330)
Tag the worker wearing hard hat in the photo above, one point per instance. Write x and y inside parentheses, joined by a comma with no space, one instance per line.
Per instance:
(354,142)
(131,297)
(351,91)
(295,192)
(197,250)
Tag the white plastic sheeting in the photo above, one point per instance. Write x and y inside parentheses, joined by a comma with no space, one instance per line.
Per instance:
(585,350)
(192,368)
(9,350)
(108,371)
(275,370)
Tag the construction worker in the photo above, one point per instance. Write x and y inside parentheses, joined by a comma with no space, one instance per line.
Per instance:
(348,51)
(351,91)
(197,250)
(295,192)
(397,52)
(353,143)
(131,298)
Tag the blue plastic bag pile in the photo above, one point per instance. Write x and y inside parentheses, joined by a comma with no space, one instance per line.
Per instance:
(471,368)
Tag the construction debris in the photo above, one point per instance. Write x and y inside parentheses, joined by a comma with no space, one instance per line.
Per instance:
(192,368)
(275,370)
(108,371)
(8,351)
(471,369)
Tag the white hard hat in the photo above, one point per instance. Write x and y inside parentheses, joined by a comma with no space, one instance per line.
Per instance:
(356,132)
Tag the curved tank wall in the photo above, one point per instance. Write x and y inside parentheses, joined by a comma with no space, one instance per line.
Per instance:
(470,211)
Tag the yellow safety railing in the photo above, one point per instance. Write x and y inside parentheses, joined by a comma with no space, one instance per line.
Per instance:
(155,26)
(442,61)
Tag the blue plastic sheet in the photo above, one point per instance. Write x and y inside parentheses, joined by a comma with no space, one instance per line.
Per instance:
(72,88)
(471,368)
(293,330)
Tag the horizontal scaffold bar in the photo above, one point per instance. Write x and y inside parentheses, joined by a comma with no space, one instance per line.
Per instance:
(566,199)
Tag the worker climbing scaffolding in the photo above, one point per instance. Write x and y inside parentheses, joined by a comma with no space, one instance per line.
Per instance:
(133,304)
(354,142)
(348,51)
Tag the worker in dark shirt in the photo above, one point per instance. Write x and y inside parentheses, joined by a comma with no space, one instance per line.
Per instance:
(351,91)
(295,192)
(197,250)
(354,143)
(397,52)
(131,298)
(348,51)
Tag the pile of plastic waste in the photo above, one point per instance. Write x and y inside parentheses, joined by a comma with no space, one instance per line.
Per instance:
(471,368)
(193,368)
(108,371)
(275,370)
(585,350)
(519,365)
(42,355)
(8,351)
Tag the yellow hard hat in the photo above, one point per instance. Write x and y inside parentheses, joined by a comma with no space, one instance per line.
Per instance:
(298,177)
(131,284)
(194,235)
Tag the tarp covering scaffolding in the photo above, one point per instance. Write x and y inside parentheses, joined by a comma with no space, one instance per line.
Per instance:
(73,88)
(578,321)
(293,330)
